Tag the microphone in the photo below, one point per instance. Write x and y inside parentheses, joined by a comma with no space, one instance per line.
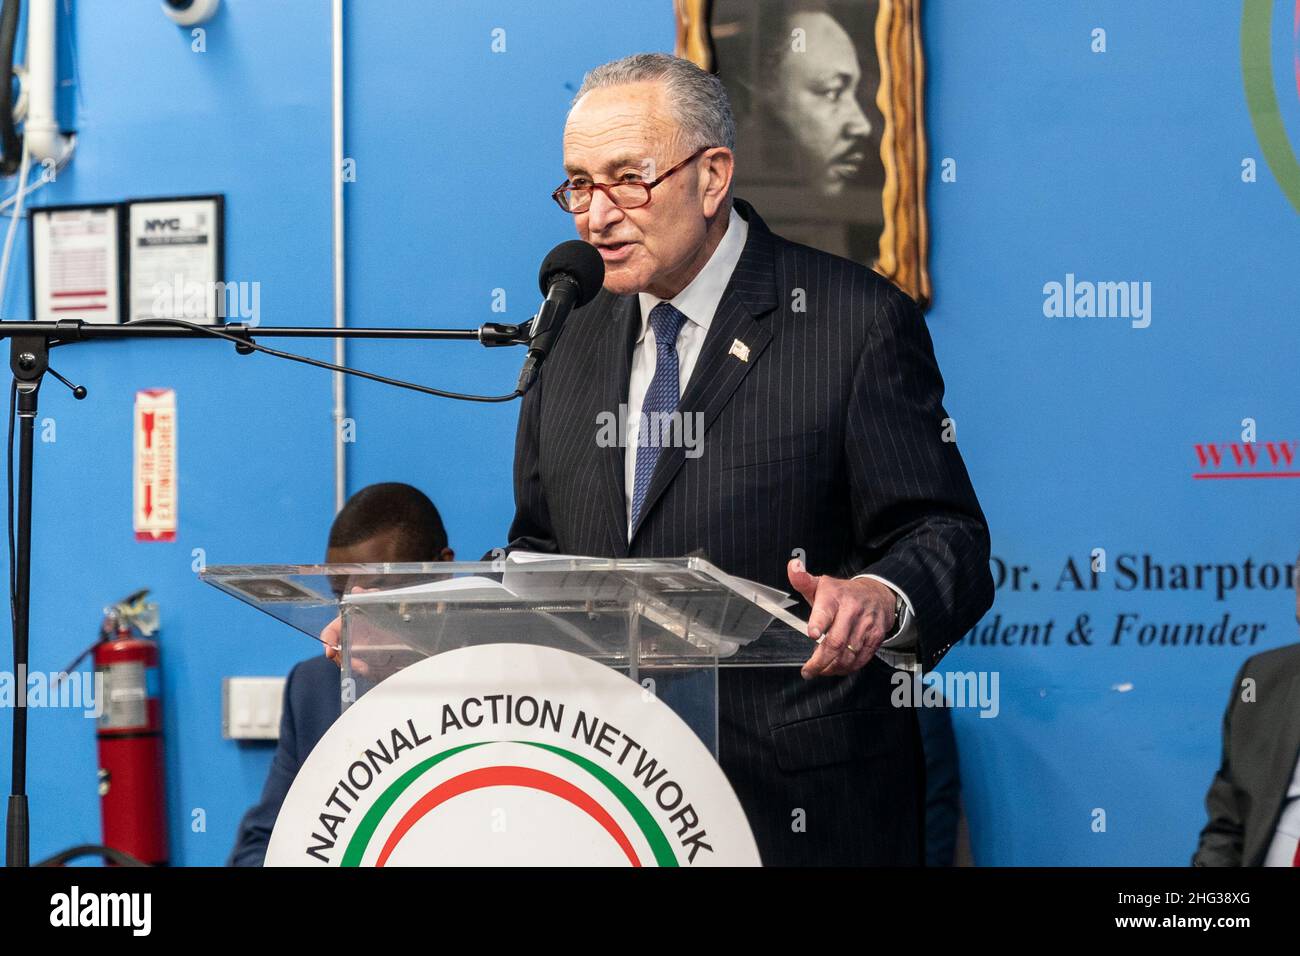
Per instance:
(571,275)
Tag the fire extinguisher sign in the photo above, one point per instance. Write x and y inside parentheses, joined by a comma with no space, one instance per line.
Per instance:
(155,465)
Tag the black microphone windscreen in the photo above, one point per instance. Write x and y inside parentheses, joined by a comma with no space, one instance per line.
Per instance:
(581,261)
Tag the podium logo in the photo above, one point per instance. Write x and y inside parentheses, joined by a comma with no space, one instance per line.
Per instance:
(561,797)
(1269,459)
(512,754)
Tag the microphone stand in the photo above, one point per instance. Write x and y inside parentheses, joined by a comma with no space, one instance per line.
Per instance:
(29,358)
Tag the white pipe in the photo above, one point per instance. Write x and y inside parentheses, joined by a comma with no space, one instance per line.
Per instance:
(41,132)
(340,318)
(13,225)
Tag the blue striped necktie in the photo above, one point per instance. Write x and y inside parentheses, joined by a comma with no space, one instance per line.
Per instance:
(654,429)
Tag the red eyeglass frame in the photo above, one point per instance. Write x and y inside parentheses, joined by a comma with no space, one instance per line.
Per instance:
(606,187)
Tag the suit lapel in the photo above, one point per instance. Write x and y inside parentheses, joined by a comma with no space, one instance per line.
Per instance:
(615,363)
(1282,766)
(750,295)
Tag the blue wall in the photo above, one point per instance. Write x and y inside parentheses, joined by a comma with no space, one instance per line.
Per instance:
(1078,433)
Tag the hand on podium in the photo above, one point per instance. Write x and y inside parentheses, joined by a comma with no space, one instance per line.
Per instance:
(332,638)
(850,619)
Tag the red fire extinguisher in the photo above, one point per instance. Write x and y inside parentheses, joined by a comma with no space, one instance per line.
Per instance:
(132,796)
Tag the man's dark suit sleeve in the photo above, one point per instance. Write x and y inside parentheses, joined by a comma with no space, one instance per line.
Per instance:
(255,829)
(531,529)
(916,520)
(1224,832)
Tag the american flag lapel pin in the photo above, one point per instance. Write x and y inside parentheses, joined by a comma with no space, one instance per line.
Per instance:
(740,350)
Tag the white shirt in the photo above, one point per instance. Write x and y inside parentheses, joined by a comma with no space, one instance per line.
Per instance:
(699,303)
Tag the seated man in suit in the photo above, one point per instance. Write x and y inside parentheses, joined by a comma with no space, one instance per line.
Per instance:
(1254,800)
(383,523)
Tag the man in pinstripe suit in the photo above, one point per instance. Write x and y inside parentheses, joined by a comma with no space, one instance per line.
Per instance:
(815,385)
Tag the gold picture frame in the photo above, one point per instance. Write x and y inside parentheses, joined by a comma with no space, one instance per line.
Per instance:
(903,247)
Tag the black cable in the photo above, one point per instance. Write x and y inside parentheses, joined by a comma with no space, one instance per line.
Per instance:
(244,343)
(248,343)
(17,822)
(11,144)
(9,472)
(110,855)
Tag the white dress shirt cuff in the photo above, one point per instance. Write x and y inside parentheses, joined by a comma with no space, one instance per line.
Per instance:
(905,639)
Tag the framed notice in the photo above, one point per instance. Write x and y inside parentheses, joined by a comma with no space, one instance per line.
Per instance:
(175,259)
(75,267)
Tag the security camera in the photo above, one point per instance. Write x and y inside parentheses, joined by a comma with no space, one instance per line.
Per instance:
(189,12)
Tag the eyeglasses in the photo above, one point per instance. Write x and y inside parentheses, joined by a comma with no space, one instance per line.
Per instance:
(624,195)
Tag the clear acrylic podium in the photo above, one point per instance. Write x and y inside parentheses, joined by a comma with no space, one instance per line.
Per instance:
(668,624)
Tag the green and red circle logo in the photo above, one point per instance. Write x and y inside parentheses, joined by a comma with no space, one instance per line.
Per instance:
(1264,39)
(464,814)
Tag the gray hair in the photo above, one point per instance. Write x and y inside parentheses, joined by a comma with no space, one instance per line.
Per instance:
(697,99)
